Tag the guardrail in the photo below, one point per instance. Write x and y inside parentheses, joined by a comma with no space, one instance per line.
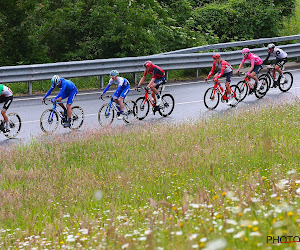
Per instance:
(181,59)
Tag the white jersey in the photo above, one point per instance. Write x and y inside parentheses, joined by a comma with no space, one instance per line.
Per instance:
(279,53)
(5,91)
(121,82)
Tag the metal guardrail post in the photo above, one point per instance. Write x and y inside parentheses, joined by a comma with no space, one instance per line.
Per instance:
(167,74)
(134,78)
(101,82)
(298,58)
(197,73)
(29,87)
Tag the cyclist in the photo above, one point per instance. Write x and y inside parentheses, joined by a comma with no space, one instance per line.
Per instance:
(121,92)
(6,96)
(225,69)
(281,59)
(67,89)
(256,66)
(158,78)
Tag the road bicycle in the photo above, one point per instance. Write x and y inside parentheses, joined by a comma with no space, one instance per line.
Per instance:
(14,122)
(246,86)
(108,111)
(164,109)
(50,118)
(273,83)
(214,94)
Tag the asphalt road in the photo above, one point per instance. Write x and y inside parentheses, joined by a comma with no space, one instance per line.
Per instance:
(189,105)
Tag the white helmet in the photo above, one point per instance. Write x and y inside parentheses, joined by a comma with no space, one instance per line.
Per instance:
(55,80)
(271,46)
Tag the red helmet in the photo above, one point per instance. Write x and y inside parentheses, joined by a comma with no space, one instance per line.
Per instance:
(147,64)
(215,56)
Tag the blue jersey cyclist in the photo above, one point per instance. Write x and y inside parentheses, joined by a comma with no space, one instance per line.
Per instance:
(67,89)
(121,92)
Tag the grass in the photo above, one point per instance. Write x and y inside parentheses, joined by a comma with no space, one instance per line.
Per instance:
(228,180)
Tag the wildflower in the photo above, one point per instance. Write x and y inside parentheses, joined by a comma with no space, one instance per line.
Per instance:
(230,230)
(298,191)
(125,246)
(195,246)
(142,238)
(70,238)
(147,232)
(255,234)
(231,222)
(193,236)
(203,239)
(239,235)
(216,244)
(179,233)
(290,213)
(255,229)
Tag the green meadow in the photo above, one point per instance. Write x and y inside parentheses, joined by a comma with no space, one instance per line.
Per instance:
(224,181)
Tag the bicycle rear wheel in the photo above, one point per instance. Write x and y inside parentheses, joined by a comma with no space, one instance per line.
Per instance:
(130,111)
(236,95)
(77,117)
(49,121)
(288,82)
(243,89)
(211,98)
(143,108)
(167,105)
(264,86)
(15,123)
(106,115)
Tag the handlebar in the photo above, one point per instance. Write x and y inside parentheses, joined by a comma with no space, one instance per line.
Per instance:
(144,88)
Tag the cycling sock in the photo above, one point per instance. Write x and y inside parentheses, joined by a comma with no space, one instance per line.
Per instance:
(6,125)
(158,96)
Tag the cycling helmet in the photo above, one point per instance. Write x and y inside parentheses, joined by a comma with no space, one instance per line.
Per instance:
(245,50)
(114,73)
(55,80)
(215,56)
(147,64)
(271,46)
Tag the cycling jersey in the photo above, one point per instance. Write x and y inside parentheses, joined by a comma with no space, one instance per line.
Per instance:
(66,87)
(123,87)
(155,71)
(224,67)
(5,91)
(254,59)
(277,53)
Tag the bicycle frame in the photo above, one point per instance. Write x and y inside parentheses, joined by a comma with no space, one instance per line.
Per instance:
(147,97)
(54,108)
(112,104)
(221,91)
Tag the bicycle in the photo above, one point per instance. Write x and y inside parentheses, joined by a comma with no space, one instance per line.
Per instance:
(164,109)
(107,112)
(50,118)
(273,83)
(246,86)
(213,94)
(15,124)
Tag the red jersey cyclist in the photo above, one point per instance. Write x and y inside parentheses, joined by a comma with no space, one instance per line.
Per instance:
(281,59)
(158,78)
(225,69)
(256,66)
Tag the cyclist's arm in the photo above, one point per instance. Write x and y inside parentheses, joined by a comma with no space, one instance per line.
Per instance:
(212,71)
(267,58)
(49,92)
(151,82)
(251,68)
(63,88)
(143,78)
(223,67)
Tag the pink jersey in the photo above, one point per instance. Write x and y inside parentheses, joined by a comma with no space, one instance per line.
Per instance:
(254,59)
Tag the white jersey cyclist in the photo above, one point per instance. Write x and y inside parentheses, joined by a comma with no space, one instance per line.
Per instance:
(279,54)
(5,91)
(123,87)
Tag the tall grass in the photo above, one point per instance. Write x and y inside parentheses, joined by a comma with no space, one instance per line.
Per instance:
(227,181)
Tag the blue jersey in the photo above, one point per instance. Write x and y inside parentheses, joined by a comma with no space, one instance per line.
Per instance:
(66,88)
(122,83)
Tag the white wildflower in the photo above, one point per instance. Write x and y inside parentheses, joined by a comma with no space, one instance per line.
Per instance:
(216,244)
(230,230)
(203,239)
(193,236)
(231,222)
(125,246)
(239,235)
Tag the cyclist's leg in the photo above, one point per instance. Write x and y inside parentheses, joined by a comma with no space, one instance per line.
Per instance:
(123,93)
(7,101)
(156,84)
(254,74)
(69,105)
(228,81)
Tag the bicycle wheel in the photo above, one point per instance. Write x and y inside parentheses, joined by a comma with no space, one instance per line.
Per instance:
(130,111)
(236,95)
(77,117)
(15,123)
(143,107)
(268,78)
(243,89)
(211,98)
(288,82)
(106,115)
(49,121)
(264,86)
(167,105)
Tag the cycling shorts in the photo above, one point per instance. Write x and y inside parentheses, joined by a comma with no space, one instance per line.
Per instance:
(257,68)
(7,101)
(280,62)
(228,76)
(70,96)
(122,92)
(160,81)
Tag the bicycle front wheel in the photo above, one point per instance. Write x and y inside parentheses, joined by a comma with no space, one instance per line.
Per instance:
(106,115)
(211,98)
(264,86)
(236,95)
(167,105)
(130,111)
(15,123)
(77,117)
(49,121)
(143,107)
(288,82)
(243,89)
